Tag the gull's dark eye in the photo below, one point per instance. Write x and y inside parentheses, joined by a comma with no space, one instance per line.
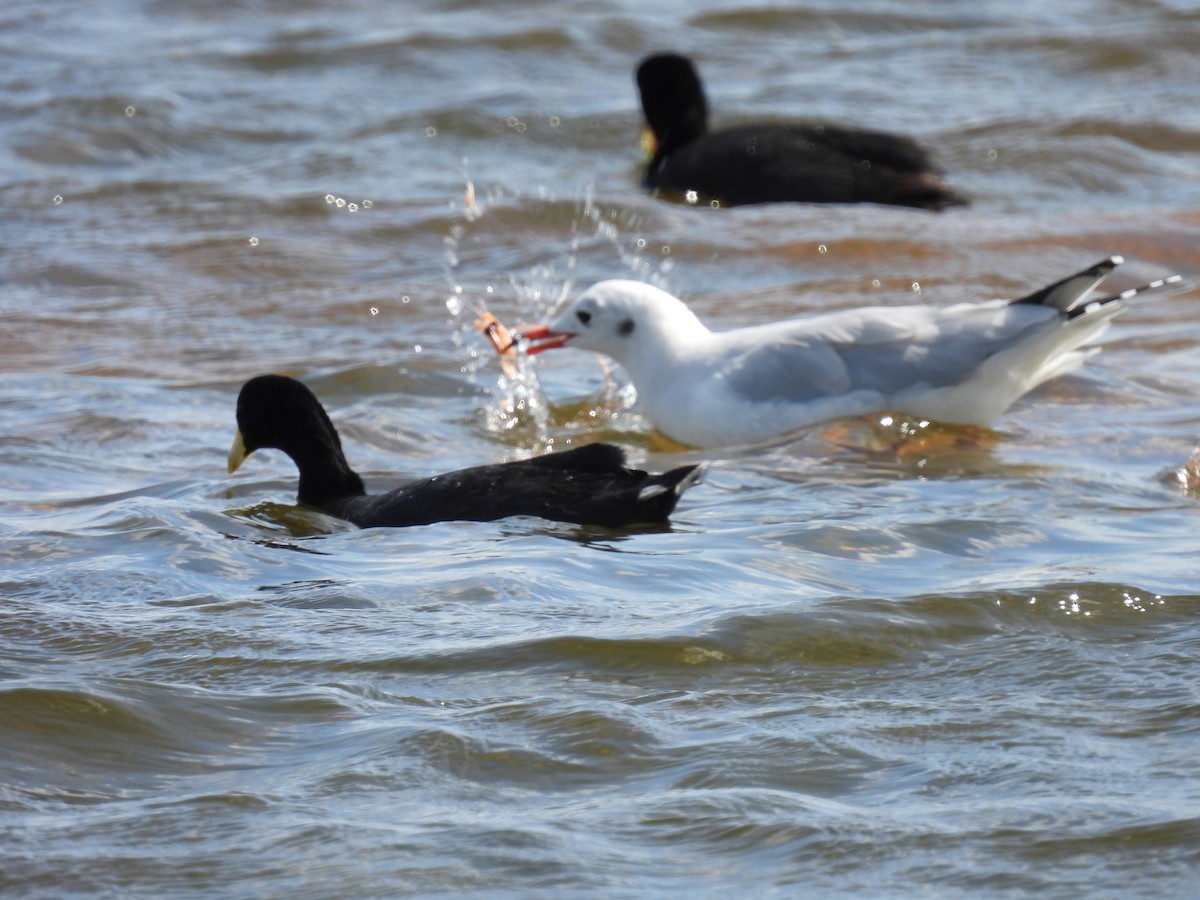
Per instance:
(583,316)
(625,328)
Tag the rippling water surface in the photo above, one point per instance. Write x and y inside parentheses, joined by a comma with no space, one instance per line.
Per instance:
(960,664)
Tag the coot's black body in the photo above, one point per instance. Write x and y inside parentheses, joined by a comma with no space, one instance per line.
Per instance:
(775,162)
(586,485)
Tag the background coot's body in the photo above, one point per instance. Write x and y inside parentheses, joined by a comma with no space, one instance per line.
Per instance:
(775,162)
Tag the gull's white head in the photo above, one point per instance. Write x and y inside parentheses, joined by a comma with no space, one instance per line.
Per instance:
(630,321)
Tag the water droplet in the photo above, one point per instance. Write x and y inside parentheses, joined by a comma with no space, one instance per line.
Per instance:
(339,202)
(666,250)
(430,132)
(691,197)
(404,299)
(416,348)
(555,121)
(253,242)
(821,248)
(367,204)
(886,421)
(488,289)
(715,204)
(454,306)
(875,282)
(374,310)
(131,111)
(993,154)
(916,287)
(329,198)
(353,207)
(58,199)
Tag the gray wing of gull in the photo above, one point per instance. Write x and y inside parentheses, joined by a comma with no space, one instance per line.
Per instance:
(882,350)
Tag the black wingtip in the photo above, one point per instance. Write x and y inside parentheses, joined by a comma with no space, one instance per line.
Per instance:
(1128,293)
(1067,293)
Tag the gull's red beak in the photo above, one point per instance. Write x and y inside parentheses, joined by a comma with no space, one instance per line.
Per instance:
(540,337)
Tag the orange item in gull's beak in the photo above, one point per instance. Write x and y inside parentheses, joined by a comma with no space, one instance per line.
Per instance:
(540,337)
(505,341)
(497,333)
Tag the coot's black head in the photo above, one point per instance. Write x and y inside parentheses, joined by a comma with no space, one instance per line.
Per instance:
(672,99)
(277,412)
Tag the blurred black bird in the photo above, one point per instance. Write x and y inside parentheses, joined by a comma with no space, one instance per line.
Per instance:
(774,162)
(588,485)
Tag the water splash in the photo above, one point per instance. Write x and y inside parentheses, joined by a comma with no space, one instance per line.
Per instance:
(517,404)
(348,205)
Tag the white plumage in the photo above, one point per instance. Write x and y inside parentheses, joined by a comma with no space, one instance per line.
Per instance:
(964,363)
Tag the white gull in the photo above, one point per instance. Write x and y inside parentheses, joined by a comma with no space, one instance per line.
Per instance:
(964,363)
